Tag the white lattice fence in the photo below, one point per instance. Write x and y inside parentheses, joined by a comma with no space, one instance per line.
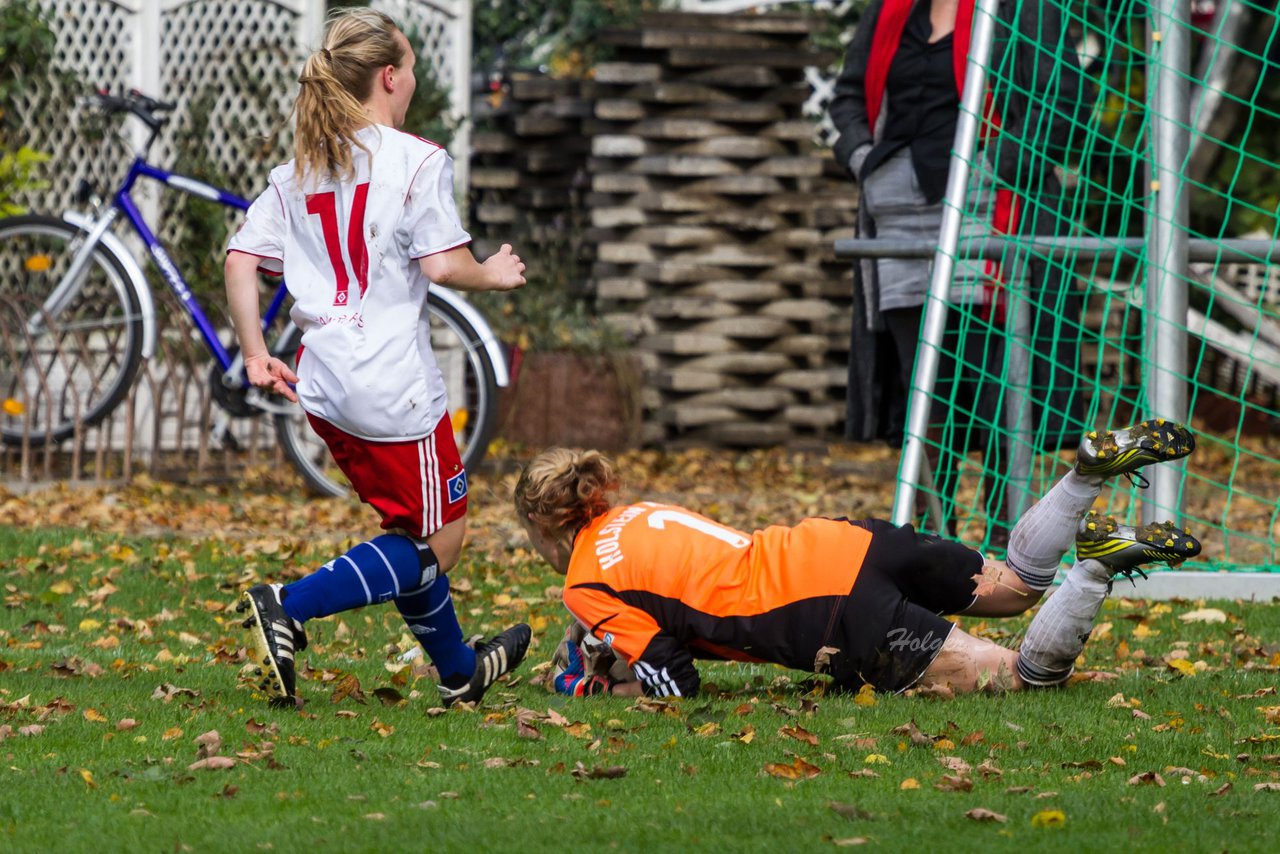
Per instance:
(231,67)
(821,80)
(237,60)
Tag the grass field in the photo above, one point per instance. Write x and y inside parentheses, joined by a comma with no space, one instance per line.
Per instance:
(119,656)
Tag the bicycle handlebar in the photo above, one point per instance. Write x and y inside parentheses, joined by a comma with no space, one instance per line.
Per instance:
(142,106)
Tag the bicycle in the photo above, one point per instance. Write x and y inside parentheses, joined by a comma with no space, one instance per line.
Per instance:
(76,354)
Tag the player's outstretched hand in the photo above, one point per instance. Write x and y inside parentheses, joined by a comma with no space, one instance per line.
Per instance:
(506,269)
(270,373)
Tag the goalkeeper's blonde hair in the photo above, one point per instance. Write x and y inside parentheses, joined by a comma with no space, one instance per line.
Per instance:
(336,80)
(561,490)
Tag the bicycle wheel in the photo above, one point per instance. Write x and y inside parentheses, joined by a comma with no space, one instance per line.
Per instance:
(73,366)
(307,451)
(469,380)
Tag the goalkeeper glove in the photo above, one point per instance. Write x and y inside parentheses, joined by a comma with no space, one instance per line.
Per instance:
(574,682)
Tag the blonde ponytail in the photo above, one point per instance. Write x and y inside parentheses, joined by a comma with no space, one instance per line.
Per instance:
(336,80)
(561,491)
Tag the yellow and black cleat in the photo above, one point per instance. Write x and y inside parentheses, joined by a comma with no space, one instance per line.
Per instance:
(1106,453)
(1124,548)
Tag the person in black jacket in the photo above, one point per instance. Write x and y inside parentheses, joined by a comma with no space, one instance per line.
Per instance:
(896,106)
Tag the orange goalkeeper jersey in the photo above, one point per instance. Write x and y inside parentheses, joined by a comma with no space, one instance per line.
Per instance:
(662,585)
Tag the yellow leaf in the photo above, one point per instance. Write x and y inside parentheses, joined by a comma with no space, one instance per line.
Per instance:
(87,776)
(90,625)
(1186,668)
(95,716)
(910,783)
(1049,818)
(62,588)
(877,759)
(866,696)
(944,744)
(172,733)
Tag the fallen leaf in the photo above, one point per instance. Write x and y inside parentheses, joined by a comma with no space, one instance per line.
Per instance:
(1049,818)
(87,776)
(126,724)
(610,772)
(1146,778)
(95,716)
(209,744)
(1204,615)
(984,814)
(389,696)
(167,691)
(798,769)
(800,734)
(212,763)
(1186,668)
(1266,787)
(1221,790)
(954,783)
(910,783)
(850,841)
(936,691)
(866,696)
(526,729)
(347,687)
(822,660)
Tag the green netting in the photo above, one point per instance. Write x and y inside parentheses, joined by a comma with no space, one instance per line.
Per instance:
(1083,357)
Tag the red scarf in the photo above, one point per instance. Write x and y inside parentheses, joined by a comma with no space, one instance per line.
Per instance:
(884,46)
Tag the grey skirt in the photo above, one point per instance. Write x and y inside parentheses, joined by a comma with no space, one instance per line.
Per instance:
(892,199)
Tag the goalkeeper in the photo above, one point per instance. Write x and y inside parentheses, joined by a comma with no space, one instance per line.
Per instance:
(858,600)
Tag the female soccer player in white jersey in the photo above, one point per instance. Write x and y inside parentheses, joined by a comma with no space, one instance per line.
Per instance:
(362,222)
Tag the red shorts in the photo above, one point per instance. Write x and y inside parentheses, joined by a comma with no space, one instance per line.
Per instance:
(418,486)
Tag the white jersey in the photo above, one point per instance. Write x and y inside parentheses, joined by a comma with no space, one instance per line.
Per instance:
(349,252)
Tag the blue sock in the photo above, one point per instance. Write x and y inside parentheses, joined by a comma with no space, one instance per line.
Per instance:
(374,571)
(429,614)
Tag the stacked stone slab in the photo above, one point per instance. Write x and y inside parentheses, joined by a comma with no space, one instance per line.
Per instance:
(713,215)
(527,166)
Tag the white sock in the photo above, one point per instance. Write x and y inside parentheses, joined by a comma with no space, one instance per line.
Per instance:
(1043,535)
(1059,630)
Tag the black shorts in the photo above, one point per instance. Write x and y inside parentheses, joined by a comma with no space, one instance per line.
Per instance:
(890,630)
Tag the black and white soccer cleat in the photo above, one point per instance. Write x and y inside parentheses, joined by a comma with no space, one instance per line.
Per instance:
(1106,453)
(276,639)
(495,657)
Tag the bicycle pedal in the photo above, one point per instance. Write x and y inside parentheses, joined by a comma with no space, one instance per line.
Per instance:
(242,606)
(249,622)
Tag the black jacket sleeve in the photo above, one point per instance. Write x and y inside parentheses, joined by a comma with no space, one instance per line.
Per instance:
(1042,104)
(666,669)
(848,108)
